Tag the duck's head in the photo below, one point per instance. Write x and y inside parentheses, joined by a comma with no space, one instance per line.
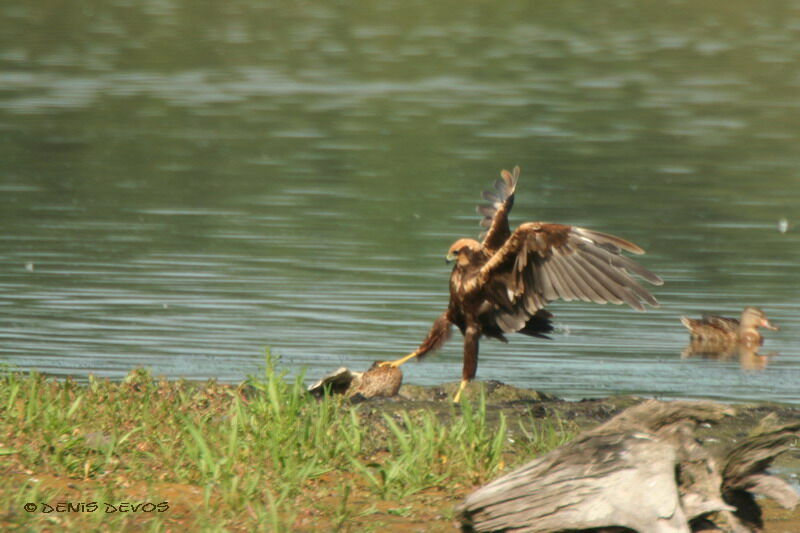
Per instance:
(753,317)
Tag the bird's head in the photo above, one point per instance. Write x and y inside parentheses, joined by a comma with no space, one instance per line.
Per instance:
(755,318)
(462,251)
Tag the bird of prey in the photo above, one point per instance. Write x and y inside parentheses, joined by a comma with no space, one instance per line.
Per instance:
(502,284)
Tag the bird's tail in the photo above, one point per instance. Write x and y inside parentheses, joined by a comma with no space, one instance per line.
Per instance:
(539,325)
(438,335)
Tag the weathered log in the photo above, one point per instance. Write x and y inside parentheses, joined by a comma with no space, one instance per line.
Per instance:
(745,474)
(643,470)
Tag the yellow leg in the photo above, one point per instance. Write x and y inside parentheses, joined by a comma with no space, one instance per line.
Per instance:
(464,383)
(398,362)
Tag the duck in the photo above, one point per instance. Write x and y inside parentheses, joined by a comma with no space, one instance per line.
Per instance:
(718,333)
(380,381)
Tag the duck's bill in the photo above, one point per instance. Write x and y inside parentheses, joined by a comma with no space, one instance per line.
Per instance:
(767,324)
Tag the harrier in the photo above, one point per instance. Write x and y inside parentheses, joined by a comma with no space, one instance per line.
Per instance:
(502,284)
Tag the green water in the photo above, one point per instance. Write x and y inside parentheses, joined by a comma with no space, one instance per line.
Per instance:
(185,183)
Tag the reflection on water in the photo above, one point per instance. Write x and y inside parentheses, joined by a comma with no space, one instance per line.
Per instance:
(748,356)
(183,184)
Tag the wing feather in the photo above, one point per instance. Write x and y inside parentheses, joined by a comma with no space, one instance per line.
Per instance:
(607,239)
(580,279)
(559,284)
(548,289)
(620,290)
(605,273)
(620,277)
(542,262)
(489,196)
(572,292)
(596,279)
(720,322)
(495,214)
(487,211)
(621,262)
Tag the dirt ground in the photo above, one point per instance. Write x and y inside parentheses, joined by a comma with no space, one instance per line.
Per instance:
(431,510)
(522,404)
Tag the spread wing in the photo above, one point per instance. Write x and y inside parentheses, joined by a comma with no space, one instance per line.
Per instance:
(543,262)
(495,214)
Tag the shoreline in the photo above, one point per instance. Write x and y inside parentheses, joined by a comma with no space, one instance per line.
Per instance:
(266,454)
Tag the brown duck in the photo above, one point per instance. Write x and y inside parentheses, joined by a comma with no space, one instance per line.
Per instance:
(380,381)
(724,333)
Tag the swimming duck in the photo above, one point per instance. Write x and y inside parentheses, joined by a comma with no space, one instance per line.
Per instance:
(724,333)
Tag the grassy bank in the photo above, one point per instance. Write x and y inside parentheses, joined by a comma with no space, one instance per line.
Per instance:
(155,455)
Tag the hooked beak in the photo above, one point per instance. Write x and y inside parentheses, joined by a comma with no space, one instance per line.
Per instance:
(767,324)
(450,258)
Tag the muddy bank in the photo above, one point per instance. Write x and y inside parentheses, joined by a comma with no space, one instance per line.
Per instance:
(521,406)
(510,399)
(222,454)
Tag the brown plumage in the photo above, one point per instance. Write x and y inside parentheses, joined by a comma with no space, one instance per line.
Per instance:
(380,381)
(502,284)
(720,334)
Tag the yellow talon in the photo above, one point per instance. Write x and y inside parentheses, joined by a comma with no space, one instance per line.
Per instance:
(461,388)
(398,362)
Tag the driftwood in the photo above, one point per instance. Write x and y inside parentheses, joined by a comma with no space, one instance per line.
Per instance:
(643,470)
(744,474)
(378,381)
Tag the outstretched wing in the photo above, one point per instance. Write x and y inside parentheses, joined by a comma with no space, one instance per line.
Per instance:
(495,214)
(543,262)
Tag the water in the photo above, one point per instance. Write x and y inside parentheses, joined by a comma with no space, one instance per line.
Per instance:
(184,184)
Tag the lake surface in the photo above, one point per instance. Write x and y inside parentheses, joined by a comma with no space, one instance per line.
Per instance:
(184,184)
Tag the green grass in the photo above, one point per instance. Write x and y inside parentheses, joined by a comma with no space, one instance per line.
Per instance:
(261,456)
